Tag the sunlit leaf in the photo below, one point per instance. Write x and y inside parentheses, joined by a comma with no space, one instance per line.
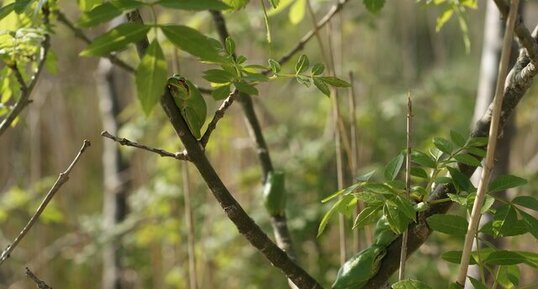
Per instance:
(194,5)
(505,182)
(116,39)
(410,284)
(151,77)
(448,224)
(193,42)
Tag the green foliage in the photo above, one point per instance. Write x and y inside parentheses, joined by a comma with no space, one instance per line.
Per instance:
(360,268)
(106,11)
(194,43)
(116,39)
(374,6)
(194,5)
(448,224)
(151,77)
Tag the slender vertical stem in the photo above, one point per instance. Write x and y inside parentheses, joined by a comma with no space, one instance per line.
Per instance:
(191,239)
(354,156)
(403,252)
(492,142)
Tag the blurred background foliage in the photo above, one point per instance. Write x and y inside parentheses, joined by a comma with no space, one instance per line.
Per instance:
(392,53)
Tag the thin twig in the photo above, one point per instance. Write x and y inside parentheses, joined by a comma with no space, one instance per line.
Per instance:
(80,34)
(62,179)
(403,254)
(182,156)
(492,142)
(300,46)
(26,90)
(217,116)
(40,283)
(191,236)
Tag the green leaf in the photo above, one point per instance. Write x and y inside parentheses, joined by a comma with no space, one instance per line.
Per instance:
(368,215)
(478,141)
(365,177)
(505,182)
(302,64)
(246,88)
(218,76)
(423,159)
(476,151)
(531,223)
(297,11)
(338,206)
(419,173)
(443,145)
(229,45)
(193,42)
(460,180)
(527,202)
(374,6)
(443,19)
(236,4)
(476,283)
(397,221)
(116,39)
(20,5)
(151,77)
(322,86)
(508,276)
(393,167)
(275,66)
(504,257)
(518,227)
(98,14)
(221,92)
(410,284)
(194,5)
(505,218)
(381,189)
(6,10)
(336,82)
(467,160)
(455,256)
(531,258)
(405,207)
(304,80)
(274,3)
(448,224)
(318,69)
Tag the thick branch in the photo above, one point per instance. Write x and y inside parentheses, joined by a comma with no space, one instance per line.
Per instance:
(246,226)
(182,156)
(62,179)
(80,34)
(518,82)
(523,34)
(26,90)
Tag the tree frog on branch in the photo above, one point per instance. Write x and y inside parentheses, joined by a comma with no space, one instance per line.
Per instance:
(190,102)
(360,268)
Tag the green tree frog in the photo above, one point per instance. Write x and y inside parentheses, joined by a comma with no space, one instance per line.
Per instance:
(356,272)
(190,102)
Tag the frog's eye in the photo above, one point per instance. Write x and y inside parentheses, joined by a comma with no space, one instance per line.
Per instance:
(184,83)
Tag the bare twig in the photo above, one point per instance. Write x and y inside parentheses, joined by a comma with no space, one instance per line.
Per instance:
(26,90)
(218,115)
(300,46)
(403,254)
(62,179)
(40,283)
(80,34)
(492,142)
(182,156)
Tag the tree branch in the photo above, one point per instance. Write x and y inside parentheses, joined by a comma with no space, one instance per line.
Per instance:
(40,283)
(80,35)
(300,46)
(523,34)
(246,226)
(62,179)
(518,82)
(182,156)
(217,116)
(26,90)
